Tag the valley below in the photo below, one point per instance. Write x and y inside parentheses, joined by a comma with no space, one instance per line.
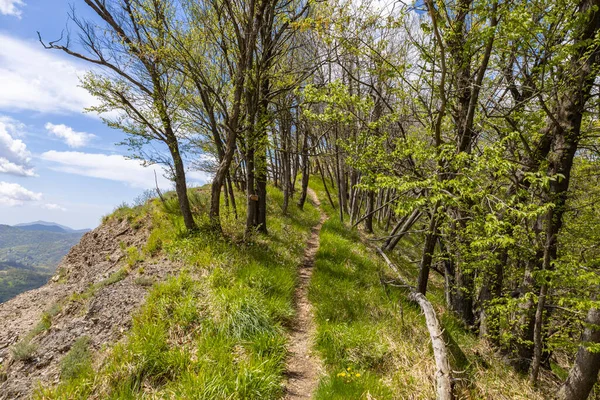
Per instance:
(30,253)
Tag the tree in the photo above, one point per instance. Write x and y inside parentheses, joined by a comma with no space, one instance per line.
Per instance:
(137,79)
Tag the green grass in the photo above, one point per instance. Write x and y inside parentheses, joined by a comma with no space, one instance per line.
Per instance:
(362,324)
(78,361)
(91,290)
(217,330)
(133,256)
(371,328)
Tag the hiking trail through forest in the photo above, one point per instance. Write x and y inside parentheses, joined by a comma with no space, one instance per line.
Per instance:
(303,366)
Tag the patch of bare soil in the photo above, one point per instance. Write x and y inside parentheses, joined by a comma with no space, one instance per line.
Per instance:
(303,366)
(103,314)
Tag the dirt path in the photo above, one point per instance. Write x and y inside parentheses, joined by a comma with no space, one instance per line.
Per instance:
(303,366)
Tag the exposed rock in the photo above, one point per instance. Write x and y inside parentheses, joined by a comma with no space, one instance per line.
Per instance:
(103,314)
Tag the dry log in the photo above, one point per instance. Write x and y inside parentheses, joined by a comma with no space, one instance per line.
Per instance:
(443,376)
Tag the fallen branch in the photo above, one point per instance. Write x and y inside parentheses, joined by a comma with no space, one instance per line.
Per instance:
(443,377)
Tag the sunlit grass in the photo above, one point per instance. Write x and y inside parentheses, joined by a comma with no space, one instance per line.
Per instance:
(367,327)
(217,330)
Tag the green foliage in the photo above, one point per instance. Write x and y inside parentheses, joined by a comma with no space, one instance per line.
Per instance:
(14,281)
(25,349)
(78,361)
(82,297)
(367,327)
(153,244)
(144,281)
(113,278)
(133,256)
(355,316)
(133,214)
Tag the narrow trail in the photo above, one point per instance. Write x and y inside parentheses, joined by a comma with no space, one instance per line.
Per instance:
(302,365)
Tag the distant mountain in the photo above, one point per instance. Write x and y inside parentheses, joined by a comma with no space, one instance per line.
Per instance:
(30,253)
(49,226)
(39,227)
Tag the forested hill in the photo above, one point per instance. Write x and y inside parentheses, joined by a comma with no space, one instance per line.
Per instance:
(453,146)
(29,257)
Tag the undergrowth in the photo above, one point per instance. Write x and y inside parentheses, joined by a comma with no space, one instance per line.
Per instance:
(215,331)
(374,343)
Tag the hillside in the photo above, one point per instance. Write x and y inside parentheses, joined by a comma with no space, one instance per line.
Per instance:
(29,256)
(139,281)
(141,309)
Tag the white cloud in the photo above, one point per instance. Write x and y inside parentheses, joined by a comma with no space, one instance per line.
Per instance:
(12,194)
(14,156)
(112,167)
(35,79)
(11,7)
(52,206)
(70,137)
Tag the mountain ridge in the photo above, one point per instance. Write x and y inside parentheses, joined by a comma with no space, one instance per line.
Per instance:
(48,226)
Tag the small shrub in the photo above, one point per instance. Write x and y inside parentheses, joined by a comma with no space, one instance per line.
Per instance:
(154,243)
(41,326)
(144,281)
(133,256)
(121,212)
(24,350)
(78,361)
(62,275)
(114,278)
(55,309)
(171,205)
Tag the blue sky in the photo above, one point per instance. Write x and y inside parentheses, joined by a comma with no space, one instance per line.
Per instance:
(56,162)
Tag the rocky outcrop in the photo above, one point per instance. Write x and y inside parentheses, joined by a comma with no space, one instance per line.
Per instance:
(95,292)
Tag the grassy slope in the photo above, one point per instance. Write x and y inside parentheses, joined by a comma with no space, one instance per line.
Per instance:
(216,331)
(374,343)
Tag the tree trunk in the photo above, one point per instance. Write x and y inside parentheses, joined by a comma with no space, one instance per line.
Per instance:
(261,191)
(251,195)
(181,187)
(427,256)
(369,211)
(584,373)
(305,172)
(400,230)
(462,295)
(325,184)
(231,195)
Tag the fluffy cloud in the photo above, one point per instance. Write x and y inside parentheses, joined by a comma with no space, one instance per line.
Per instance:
(35,79)
(113,167)
(11,7)
(12,194)
(14,156)
(70,137)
